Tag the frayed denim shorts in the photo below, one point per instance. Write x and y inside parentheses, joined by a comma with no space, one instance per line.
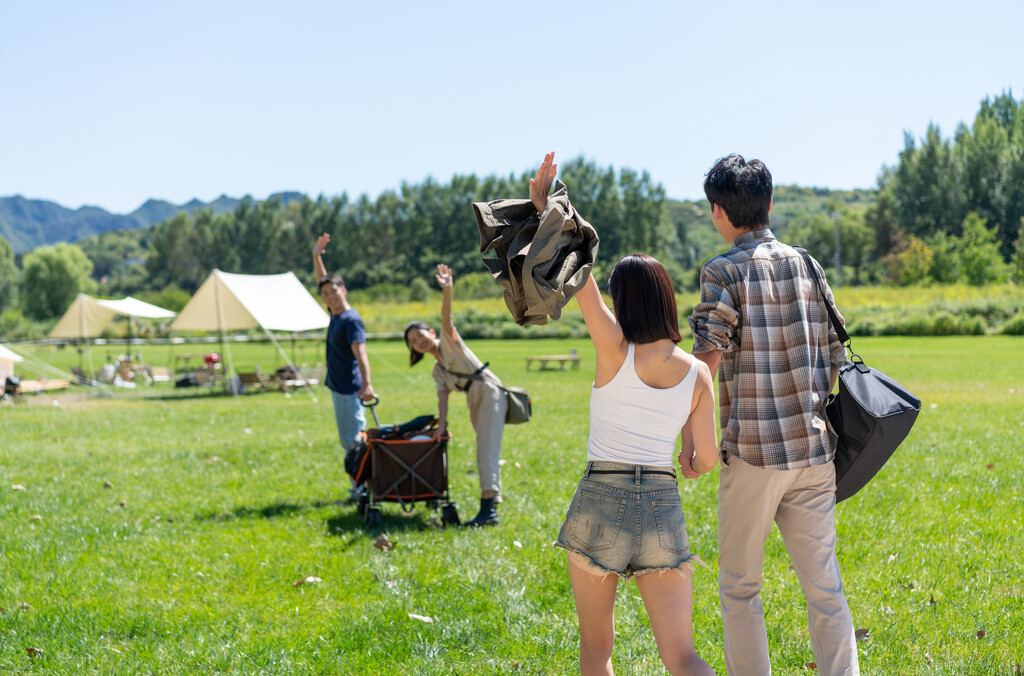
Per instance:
(626,519)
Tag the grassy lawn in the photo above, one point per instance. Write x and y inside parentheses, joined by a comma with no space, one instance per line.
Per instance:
(217,506)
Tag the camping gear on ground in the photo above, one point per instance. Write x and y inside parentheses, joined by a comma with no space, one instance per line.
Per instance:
(11,387)
(87,317)
(403,464)
(520,407)
(872,413)
(232,302)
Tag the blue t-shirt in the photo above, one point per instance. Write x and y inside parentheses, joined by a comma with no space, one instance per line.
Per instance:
(343,374)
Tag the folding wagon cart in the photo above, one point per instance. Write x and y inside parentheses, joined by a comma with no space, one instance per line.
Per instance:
(401,463)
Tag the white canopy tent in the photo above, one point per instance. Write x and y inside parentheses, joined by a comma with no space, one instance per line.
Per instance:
(88,316)
(234,302)
(7,361)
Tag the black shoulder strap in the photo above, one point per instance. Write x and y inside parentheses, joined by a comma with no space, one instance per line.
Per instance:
(472,376)
(832,314)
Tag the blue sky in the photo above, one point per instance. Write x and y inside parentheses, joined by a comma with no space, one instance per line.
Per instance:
(110,103)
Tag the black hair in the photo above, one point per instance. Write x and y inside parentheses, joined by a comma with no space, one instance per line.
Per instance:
(743,189)
(644,300)
(414,356)
(330,279)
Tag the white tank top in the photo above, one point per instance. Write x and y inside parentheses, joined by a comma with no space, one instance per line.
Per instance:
(632,422)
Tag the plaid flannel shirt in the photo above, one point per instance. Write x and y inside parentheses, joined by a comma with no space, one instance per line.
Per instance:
(762,311)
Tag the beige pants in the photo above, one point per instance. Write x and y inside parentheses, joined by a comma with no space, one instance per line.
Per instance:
(487,408)
(802,503)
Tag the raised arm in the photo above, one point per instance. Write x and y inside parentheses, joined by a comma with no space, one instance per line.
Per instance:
(604,330)
(319,271)
(446,280)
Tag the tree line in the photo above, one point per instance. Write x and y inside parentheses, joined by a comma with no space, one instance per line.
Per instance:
(951,210)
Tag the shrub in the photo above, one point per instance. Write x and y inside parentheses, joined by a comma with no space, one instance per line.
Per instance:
(971,326)
(863,326)
(1014,327)
(419,290)
(944,324)
(478,285)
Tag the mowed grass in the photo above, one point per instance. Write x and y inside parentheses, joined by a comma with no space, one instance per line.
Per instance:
(228,502)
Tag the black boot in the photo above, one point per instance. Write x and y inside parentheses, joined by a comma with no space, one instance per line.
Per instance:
(488,516)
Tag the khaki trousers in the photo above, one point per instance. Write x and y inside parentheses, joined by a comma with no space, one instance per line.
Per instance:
(487,409)
(802,503)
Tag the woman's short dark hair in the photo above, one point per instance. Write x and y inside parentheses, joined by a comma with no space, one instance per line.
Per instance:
(644,300)
(743,189)
(414,356)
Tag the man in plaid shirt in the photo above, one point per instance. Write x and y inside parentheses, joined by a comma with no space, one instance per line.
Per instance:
(762,321)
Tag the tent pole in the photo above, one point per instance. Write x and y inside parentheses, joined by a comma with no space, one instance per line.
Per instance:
(88,342)
(224,347)
(289,362)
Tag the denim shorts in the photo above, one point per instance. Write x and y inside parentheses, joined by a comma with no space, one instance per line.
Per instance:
(626,519)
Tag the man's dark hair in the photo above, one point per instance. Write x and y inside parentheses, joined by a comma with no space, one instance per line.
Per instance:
(414,356)
(644,301)
(743,189)
(330,279)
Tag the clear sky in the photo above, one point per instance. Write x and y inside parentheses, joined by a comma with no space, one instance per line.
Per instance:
(109,103)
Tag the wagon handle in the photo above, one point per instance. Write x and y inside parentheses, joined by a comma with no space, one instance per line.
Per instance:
(372,405)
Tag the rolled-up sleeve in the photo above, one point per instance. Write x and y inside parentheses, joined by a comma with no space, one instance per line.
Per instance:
(715,321)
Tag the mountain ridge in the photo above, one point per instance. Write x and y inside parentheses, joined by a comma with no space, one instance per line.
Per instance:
(30,223)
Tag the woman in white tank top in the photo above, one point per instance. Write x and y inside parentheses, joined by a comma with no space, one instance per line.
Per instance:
(626,518)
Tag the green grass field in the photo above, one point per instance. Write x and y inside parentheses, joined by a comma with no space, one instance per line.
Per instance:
(217,506)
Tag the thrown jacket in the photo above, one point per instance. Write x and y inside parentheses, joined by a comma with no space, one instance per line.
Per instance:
(542,260)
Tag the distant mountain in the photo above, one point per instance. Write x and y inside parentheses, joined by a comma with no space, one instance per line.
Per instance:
(28,224)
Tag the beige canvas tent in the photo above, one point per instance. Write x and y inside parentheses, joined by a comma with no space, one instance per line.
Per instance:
(7,361)
(233,302)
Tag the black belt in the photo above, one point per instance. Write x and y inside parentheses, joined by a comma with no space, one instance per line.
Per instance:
(631,472)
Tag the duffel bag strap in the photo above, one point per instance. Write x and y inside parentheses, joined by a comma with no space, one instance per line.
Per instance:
(833,316)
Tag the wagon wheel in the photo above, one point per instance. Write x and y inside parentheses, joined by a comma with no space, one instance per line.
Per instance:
(372,518)
(449,515)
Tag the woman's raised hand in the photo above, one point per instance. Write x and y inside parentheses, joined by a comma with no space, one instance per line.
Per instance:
(444,276)
(540,186)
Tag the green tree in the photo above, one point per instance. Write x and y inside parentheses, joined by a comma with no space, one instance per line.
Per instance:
(937,183)
(8,277)
(173,254)
(817,234)
(945,258)
(1017,262)
(52,277)
(979,253)
(915,262)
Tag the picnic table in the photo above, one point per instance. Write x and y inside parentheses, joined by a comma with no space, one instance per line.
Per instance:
(562,360)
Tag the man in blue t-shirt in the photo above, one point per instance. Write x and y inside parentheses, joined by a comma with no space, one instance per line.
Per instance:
(348,369)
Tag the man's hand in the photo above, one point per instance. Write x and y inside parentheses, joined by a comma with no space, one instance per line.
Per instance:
(541,185)
(438,433)
(444,276)
(686,464)
(366,392)
(321,244)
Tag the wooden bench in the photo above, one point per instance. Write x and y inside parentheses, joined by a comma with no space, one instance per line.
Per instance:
(562,360)
(33,386)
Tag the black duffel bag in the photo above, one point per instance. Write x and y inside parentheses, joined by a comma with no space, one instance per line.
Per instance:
(871,413)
